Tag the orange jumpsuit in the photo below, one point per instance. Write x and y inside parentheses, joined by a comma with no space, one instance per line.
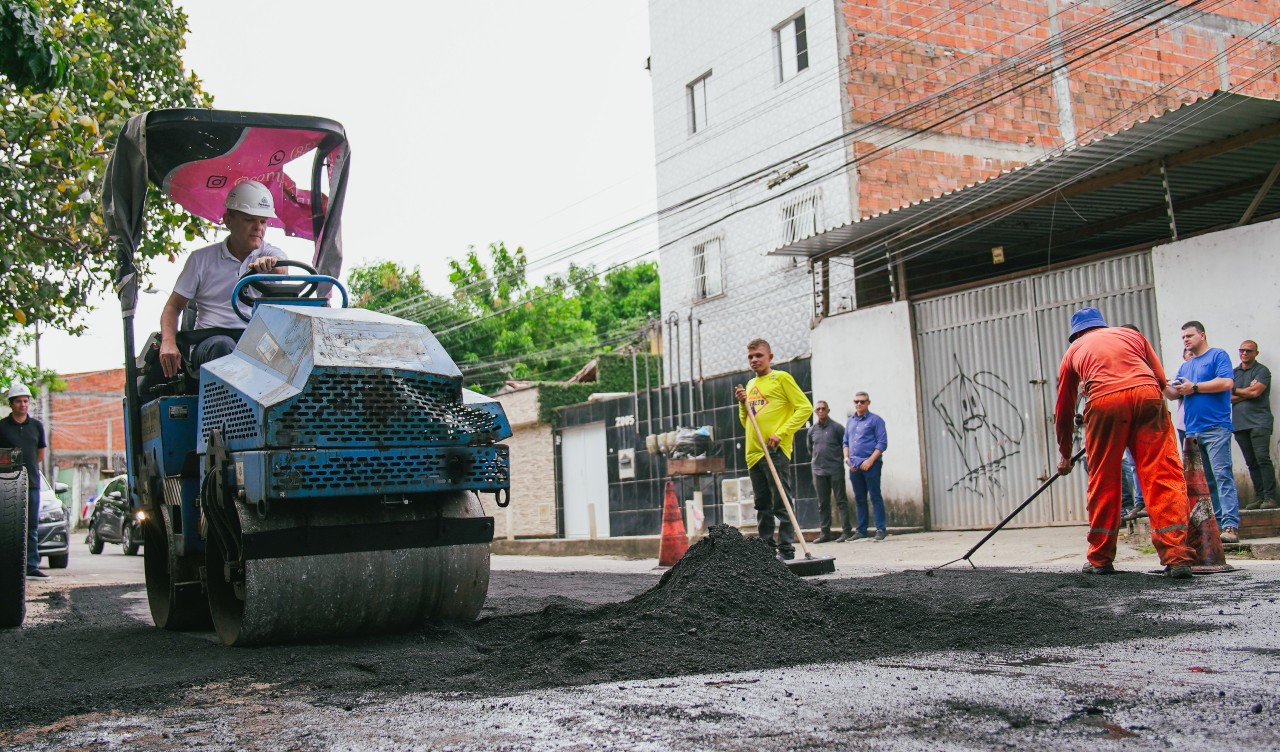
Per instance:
(1121,379)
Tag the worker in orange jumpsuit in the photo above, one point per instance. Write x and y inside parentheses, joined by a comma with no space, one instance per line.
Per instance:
(1122,382)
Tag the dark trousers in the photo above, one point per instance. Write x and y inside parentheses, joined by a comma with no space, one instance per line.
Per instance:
(33,522)
(769,503)
(826,485)
(867,483)
(1255,445)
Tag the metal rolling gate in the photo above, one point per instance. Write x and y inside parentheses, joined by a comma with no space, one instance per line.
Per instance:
(988,361)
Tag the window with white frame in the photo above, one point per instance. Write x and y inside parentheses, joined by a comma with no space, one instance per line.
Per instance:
(801,216)
(793,48)
(708,268)
(697,95)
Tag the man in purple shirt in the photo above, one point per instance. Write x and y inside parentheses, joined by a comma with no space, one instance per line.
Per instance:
(865,440)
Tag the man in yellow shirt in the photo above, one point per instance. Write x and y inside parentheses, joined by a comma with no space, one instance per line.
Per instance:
(781,409)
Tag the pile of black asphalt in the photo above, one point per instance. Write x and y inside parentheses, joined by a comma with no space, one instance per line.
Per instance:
(728,605)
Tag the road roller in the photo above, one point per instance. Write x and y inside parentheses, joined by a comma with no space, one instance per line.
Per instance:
(327,477)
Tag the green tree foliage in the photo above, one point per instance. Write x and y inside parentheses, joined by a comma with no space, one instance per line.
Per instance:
(384,284)
(122,58)
(497,326)
(624,296)
(29,56)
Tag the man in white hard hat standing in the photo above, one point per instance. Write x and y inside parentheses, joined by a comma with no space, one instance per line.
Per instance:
(19,430)
(211,274)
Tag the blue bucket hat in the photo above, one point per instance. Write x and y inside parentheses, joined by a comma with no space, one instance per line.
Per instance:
(1083,320)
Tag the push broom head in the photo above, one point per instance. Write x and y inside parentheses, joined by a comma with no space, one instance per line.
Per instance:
(811,566)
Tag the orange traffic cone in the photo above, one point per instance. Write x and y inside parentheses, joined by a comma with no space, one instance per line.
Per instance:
(1203,534)
(674,540)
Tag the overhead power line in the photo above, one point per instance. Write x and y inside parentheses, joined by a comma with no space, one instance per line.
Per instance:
(1127,13)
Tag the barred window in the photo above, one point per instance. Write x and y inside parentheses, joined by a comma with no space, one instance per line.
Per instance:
(801,216)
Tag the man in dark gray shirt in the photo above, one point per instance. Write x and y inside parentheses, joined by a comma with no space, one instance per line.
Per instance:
(826,452)
(1252,422)
(19,430)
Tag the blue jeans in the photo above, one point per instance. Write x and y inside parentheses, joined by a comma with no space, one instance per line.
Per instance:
(211,349)
(1130,491)
(1215,450)
(33,522)
(867,482)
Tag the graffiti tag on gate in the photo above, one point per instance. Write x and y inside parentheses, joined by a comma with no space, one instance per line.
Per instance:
(985,434)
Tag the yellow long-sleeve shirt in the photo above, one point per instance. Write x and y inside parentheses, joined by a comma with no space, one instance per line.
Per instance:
(781,410)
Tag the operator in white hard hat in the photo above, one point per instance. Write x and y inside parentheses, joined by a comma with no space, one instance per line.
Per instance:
(211,274)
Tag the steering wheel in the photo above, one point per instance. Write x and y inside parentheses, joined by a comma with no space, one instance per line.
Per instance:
(270,288)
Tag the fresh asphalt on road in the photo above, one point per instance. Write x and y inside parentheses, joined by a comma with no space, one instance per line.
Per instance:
(1128,662)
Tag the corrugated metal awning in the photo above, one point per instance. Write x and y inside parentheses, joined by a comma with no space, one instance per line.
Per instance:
(1216,152)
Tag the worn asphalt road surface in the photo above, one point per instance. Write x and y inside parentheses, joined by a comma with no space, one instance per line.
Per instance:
(727,651)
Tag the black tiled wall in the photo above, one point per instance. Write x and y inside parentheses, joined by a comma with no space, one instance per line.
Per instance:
(635,506)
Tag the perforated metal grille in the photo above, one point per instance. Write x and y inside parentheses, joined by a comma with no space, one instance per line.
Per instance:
(345,409)
(417,470)
(227,411)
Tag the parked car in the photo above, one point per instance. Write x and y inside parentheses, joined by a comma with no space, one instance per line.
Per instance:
(53,530)
(112,522)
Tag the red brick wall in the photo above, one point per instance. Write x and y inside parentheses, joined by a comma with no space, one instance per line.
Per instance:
(82,413)
(902,51)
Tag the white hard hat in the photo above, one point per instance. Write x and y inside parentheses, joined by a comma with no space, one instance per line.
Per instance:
(252,197)
(18,389)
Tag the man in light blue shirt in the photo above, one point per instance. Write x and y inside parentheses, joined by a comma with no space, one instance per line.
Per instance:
(865,441)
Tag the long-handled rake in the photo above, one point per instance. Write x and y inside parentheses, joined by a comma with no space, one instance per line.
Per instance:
(1006,520)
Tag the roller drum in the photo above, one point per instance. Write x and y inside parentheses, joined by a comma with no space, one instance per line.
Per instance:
(329,595)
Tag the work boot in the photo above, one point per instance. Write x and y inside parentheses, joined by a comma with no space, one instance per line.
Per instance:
(785,555)
(1253,504)
(825,538)
(36,573)
(844,537)
(1178,572)
(1104,569)
(1269,504)
(881,535)
(1230,535)
(858,537)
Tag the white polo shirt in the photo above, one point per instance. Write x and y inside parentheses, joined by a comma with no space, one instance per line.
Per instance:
(208,278)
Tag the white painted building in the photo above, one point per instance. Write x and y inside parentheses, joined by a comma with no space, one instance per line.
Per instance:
(738,87)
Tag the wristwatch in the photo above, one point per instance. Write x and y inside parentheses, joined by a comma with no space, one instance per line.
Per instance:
(1195,388)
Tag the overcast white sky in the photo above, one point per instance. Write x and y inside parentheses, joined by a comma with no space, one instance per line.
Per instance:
(470,123)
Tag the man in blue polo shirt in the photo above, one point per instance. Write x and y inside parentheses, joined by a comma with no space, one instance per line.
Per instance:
(1204,385)
(865,441)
